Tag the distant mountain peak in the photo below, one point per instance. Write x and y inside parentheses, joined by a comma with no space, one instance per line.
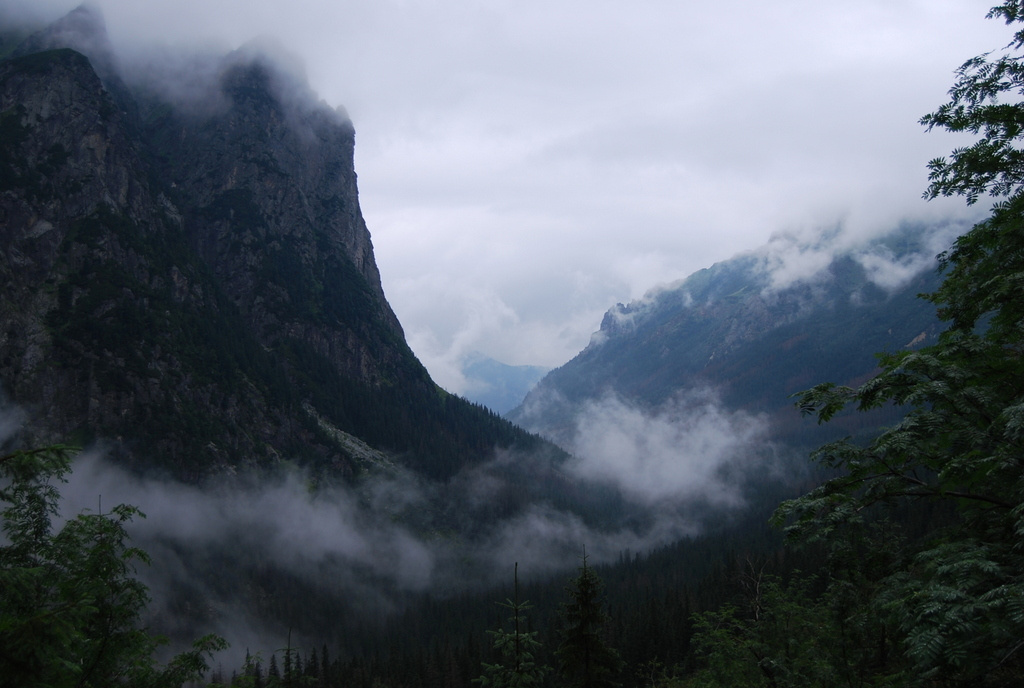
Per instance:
(496,385)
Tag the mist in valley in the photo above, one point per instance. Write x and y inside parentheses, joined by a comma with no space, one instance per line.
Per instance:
(221,551)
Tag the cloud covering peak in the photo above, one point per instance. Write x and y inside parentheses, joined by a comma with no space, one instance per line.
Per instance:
(524,166)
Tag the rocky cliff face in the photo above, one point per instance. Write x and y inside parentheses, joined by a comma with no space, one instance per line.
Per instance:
(67,157)
(196,286)
(267,190)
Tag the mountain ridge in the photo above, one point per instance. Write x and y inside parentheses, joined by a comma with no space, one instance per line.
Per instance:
(731,328)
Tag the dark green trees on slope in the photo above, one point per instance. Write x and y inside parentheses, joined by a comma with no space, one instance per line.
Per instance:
(947,607)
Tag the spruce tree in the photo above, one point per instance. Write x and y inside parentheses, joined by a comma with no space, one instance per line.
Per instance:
(587,661)
(516,648)
(273,673)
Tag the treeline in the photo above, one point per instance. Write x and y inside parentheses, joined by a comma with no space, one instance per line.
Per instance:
(649,601)
(665,618)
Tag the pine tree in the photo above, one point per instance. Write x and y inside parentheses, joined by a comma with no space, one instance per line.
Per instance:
(325,666)
(517,649)
(252,674)
(273,673)
(312,674)
(587,661)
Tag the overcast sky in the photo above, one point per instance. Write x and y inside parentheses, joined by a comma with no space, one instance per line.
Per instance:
(525,165)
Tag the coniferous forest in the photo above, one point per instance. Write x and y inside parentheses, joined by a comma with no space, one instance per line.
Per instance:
(895,561)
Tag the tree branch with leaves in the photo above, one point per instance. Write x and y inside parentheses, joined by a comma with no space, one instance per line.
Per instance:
(957,596)
(70,604)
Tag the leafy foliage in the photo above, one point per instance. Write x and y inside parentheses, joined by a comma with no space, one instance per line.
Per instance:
(956,598)
(995,163)
(782,637)
(69,604)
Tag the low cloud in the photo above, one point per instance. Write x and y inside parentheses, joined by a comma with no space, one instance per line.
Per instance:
(890,259)
(680,452)
(11,420)
(670,469)
(544,540)
(297,525)
(890,269)
(638,480)
(643,479)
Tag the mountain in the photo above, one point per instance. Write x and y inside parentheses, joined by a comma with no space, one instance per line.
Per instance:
(186,277)
(496,385)
(754,336)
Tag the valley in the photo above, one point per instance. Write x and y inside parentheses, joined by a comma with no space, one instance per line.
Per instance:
(193,323)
